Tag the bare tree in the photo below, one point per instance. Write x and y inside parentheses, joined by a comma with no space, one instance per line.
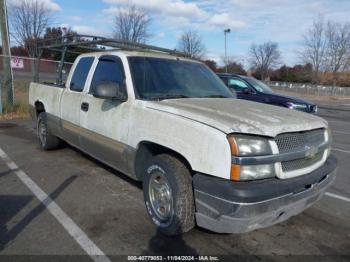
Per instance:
(264,57)
(192,44)
(338,48)
(29,20)
(315,45)
(233,64)
(132,24)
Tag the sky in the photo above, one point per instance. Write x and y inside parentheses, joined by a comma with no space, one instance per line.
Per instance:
(251,21)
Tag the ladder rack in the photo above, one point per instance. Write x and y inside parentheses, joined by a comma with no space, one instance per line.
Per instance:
(79,44)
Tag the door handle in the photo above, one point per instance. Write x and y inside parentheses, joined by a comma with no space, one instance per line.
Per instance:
(85,107)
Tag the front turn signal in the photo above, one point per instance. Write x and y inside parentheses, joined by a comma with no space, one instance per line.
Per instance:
(233,146)
(235,172)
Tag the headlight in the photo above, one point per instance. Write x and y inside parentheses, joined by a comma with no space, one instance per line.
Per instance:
(297,106)
(257,172)
(249,146)
(253,172)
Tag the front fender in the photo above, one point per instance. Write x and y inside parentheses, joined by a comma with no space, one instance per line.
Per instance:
(205,148)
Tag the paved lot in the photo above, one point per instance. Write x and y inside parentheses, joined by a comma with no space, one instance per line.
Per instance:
(108,208)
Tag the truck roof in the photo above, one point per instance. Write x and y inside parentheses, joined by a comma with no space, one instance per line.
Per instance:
(138,53)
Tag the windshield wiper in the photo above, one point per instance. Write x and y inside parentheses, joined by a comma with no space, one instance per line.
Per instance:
(178,96)
(215,96)
(167,97)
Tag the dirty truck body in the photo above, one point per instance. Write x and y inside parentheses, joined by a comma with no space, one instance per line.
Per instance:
(204,157)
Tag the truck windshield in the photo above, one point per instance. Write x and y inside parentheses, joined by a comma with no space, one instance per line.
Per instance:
(161,79)
(258,85)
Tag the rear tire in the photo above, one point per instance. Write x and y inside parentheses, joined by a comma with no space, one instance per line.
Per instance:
(47,140)
(168,195)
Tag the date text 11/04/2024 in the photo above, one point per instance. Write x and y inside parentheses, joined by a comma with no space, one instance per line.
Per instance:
(173,258)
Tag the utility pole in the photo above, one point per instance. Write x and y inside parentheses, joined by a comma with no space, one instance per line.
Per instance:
(227,31)
(0,98)
(7,81)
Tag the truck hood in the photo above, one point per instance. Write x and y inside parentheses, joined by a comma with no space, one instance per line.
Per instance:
(239,116)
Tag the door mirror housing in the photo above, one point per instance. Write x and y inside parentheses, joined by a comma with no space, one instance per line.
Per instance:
(248,91)
(110,90)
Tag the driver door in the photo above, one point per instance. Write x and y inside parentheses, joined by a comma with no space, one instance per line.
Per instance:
(104,122)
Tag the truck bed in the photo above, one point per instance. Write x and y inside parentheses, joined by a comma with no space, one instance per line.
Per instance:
(48,94)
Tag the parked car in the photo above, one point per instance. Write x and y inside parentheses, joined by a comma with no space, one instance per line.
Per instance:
(203,156)
(249,88)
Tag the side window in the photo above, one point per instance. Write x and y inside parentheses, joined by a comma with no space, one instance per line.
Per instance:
(108,69)
(81,73)
(225,80)
(237,84)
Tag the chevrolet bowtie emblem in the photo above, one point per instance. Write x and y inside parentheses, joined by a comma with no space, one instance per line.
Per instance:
(311,152)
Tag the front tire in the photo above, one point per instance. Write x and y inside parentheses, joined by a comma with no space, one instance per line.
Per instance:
(47,140)
(168,195)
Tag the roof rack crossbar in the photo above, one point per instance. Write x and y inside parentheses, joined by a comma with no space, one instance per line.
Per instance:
(68,51)
(108,42)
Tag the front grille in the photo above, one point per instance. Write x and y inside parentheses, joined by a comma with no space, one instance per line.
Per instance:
(293,165)
(292,142)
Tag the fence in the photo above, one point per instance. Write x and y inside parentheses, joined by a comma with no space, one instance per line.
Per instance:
(23,68)
(24,72)
(309,89)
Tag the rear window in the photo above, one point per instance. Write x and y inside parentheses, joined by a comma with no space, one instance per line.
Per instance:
(81,73)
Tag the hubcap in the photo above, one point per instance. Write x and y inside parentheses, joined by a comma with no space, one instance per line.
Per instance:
(42,133)
(160,196)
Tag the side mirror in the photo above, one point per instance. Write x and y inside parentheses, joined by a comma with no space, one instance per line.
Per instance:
(110,90)
(247,91)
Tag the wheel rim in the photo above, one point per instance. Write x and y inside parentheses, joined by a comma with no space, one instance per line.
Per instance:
(160,196)
(42,132)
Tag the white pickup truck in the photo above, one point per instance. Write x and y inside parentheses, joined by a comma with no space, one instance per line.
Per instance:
(204,157)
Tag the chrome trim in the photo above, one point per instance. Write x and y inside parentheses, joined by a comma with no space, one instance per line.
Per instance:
(274,147)
(327,135)
(306,170)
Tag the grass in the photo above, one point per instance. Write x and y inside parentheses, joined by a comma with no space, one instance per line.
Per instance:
(20,108)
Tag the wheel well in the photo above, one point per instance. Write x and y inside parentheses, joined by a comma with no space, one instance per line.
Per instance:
(39,108)
(147,150)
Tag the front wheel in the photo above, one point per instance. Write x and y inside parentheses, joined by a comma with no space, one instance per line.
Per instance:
(168,195)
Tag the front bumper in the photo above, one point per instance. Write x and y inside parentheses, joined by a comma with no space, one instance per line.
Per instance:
(224,206)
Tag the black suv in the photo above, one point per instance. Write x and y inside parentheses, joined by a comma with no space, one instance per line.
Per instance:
(249,88)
